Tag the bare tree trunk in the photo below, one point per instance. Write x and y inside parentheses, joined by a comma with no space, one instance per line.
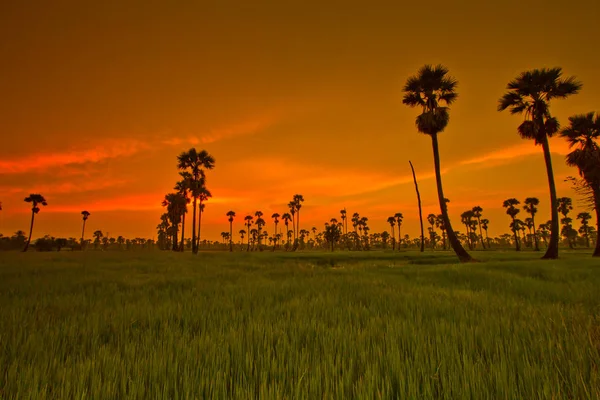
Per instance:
(194,246)
(182,246)
(420,210)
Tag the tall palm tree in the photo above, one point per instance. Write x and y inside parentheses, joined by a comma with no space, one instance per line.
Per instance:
(477,210)
(399,218)
(195,163)
(433,91)
(242,233)
(184,187)
(231,215)
(275,217)
(297,201)
(529,205)
(512,211)
(203,195)
(392,222)
(530,94)
(344,220)
(86,215)
(259,224)
(431,219)
(583,133)
(287,217)
(36,200)
(248,219)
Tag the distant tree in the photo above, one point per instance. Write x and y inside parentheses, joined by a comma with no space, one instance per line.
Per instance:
(512,211)
(544,231)
(98,235)
(36,200)
(433,90)
(439,223)
(242,234)
(248,219)
(175,204)
(583,133)
(530,94)
(332,234)
(392,222)
(565,205)
(584,217)
(275,217)
(184,187)
(231,215)
(529,205)
(297,203)
(484,224)
(399,218)
(431,218)
(477,210)
(467,219)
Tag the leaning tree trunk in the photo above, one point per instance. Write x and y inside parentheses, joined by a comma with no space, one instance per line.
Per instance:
(419,201)
(552,250)
(30,232)
(597,203)
(462,254)
(194,247)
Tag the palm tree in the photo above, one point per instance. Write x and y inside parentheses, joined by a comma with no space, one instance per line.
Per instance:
(565,205)
(242,234)
(35,200)
(392,222)
(484,224)
(467,219)
(584,217)
(583,131)
(513,211)
(275,217)
(529,205)
(98,235)
(477,210)
(530,94)
(203,195)
(297,201)
(429,89)
(286,217)
(344,221)
(419,204)
(184,187)
(175,203)
(195,162)
(431,219)
(399,218)
(86,215)
(248,219)
(231,215)
(259,223)
(439,223)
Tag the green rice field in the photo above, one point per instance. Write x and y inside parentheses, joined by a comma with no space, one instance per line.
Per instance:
(347,325)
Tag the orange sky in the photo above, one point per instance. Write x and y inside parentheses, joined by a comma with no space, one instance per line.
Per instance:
(97,99)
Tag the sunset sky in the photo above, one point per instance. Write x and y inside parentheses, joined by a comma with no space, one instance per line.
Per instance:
(98,98)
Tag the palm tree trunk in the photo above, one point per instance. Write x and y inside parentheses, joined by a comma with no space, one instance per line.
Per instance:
(82,233)
(399,238)
(194,247)
(393,238)
(182,246)
(462,254)
(419,201)
(297,229)
(230,236)
(535,238)
(30,232)
(597,202)
(515,234)
(552,250)
(199,226)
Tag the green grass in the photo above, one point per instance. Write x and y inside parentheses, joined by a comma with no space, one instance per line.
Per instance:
(308,325)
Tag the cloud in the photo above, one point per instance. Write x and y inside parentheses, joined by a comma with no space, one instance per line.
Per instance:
(516,151)
(43,161)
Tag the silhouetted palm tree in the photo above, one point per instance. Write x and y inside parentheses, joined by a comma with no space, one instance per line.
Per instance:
(242,234)
(175,203)
(344,220)
(86,215)
(564,206)
(439,222)
(584,131)
(513,211)
(430,89)
(431,219)
(275,217)
(35,200)
(392,222)
(584,217)
(195,162)
(231,215)
(484,225)
(286,217)
(203,195)
(399,218)
(530,94)
(529,205)
(477,210)
(248,219)
(297,202)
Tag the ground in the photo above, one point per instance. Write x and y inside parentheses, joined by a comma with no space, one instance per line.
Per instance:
(304,325)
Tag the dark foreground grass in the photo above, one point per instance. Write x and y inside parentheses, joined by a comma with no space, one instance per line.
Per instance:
(348,325)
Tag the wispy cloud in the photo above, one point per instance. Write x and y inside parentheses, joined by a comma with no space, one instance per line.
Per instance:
(516,151)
